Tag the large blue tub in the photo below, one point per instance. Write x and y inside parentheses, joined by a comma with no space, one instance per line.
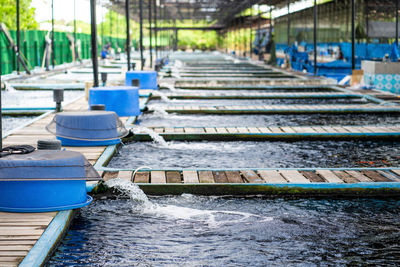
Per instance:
(42,181)
(90,128)
(123,100)
(142,79)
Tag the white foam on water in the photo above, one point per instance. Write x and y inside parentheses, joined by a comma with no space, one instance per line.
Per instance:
(170,87)
(163,96)
(212,218)
(159,111)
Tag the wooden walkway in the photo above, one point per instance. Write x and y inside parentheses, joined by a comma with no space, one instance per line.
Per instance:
(271,132)
(262,176)
(255,95)
(306,182)
(19,232)
(283,109)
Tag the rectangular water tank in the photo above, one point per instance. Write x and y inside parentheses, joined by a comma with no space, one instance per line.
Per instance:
(142,79)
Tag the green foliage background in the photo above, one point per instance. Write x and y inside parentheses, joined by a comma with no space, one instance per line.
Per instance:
(8,13)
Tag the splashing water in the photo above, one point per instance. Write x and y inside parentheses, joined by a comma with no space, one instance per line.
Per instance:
(160,112)
(162,96)
(158,139)
(170,87)
(212,218)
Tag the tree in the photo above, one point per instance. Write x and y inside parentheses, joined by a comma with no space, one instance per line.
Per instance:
(8,10)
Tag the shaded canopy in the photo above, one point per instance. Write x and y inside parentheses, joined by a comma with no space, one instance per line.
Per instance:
(221,12)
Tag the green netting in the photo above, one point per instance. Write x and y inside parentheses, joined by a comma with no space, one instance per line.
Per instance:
(33,44)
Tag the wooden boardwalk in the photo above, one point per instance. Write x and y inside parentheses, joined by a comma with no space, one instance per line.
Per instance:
(271,176)
(271,132)
(19,232)
(283,109)
(262,95)
(291,182)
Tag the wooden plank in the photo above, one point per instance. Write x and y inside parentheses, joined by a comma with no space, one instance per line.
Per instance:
(242,130)
(157,177)
(158,129)
(125,175)
(375,176)
(190,177)
(329,176)
(210,130)
(169,130)
(206,177)
(294,176)
(275,129)
(263,130)
(173,177)
(10,247)
(397,172)
(220,177)
(359,176)
(253,130)
(271,176)
(347,178)
(18,242)
(313,176)
(221,130)
(288,129)
(12,253)
(389,175)
(252,177)
(110,175)
(233,177)
(142,177)
(179,130)
(232,130)
(20,232)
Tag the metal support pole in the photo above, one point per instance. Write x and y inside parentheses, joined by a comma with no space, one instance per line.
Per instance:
(155,28)
(367,27)
(1,115)
(353,35)
(315,36)
(270,23)
(151,35)
(397,23)
(141,33)
(93,35)
(288,22)
(75,49)
(128,35)
(18,36)
(176,39)
(110,31)
(250,39)
(52,35)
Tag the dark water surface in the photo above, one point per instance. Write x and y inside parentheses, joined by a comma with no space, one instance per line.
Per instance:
(8,122)
(266,154)
(210,231)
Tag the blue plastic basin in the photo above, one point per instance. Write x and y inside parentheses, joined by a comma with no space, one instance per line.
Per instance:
(123,100)
(147,79)
(94,128)
(45,180)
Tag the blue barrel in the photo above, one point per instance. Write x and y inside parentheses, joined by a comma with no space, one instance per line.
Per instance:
(142,79)
(42,181)
(123,100)
(89,128)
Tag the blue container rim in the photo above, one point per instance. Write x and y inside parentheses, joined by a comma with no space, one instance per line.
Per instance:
(89,199)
